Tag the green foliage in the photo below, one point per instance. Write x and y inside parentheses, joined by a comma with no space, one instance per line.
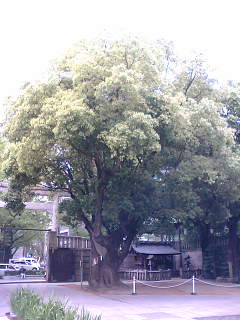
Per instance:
(86,315)
(92,133)
(106,107)
(28,273)
(13,237)
(28,305)
(209,267)
(24,301)
(193,79)
(214,262)
(3,144)
(134,135)
(222,269)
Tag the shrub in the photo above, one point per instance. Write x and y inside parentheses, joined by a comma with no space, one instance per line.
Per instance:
(28,305)
(24,302)
(35,272)
(86,315)
(11,273)
(28,272)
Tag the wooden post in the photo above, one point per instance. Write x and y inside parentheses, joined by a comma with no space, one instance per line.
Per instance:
(81,267)
(230,269)
(193,285)
(52,245)
(134,286)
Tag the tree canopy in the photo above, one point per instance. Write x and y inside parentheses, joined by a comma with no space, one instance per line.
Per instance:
(129,135)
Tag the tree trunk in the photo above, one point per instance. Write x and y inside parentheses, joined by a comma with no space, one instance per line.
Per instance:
(7,245)
(7,254)
(104,272)
(208,265)
(233,246)
(205,237)
(107,259)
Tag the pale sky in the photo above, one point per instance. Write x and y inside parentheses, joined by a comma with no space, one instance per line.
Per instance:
(34,32)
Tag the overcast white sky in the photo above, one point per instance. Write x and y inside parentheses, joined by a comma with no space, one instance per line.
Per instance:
(33,32)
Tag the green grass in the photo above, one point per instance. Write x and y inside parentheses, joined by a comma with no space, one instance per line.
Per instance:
(28,305)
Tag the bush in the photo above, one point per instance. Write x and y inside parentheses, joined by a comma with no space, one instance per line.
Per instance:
(35,272)
(28,305)
(24,302)
(28,272)
(11,273)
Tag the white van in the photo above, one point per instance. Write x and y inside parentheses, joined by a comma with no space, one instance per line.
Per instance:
(27,263)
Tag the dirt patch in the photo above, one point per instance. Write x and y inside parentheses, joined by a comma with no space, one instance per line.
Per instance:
(156,289)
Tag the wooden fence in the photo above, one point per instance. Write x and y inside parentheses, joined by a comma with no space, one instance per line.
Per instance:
(73,242)
(145,275)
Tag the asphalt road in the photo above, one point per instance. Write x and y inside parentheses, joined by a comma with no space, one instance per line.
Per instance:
(133,307)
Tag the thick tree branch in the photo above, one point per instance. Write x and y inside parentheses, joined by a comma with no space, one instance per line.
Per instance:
(189,84)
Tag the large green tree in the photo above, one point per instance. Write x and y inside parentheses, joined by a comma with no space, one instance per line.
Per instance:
(200,184)
(92,131)
(128,137)
(230,98)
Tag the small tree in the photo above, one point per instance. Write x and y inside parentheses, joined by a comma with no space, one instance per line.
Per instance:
(13,236)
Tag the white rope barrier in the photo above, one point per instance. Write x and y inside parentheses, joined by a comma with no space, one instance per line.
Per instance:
(193,279)
(217,285)
(157,281)
(176,285)
(152,286)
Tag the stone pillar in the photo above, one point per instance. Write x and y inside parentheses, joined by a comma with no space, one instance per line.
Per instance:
(230,268)
(54,222)
(77,267)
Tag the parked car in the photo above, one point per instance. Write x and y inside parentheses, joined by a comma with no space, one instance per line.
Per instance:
(6,267)
(34,262)
(26,265)
(30,263)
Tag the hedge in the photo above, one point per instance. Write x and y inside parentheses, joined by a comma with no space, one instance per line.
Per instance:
(28,272)
(28,305)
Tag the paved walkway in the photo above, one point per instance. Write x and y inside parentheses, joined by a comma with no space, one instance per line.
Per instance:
(134,307)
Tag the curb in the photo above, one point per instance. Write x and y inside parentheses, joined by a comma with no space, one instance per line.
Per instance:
(30,281)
